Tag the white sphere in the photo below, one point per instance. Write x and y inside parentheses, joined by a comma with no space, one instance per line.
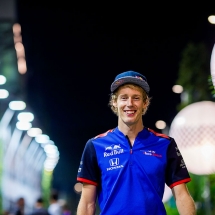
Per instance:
(193,129)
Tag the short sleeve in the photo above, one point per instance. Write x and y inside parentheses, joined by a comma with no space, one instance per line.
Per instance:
(176,170)
(89,171)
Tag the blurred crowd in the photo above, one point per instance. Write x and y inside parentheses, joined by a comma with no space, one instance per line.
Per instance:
(54,208)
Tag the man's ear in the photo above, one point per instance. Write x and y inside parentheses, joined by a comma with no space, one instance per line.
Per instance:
(115,104)
(146,104)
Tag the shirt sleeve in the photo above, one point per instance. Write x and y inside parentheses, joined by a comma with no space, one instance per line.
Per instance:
(89,171)
(176,171)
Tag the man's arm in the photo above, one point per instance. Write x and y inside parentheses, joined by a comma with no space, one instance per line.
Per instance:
(184,201)
(87,203)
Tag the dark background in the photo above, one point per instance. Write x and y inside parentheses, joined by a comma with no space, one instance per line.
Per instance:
(74,52)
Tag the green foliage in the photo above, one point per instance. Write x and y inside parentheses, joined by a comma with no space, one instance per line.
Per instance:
(194,70)
(170,210)
(196,188)
(211,86)
(212,191)
(196,181)
(46,186)
(170,207)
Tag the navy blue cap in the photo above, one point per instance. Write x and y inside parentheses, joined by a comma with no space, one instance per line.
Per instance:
(130,77)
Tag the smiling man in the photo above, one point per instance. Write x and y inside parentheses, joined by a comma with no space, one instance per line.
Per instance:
(127,167)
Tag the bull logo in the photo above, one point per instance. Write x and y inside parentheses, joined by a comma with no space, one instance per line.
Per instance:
(112,147)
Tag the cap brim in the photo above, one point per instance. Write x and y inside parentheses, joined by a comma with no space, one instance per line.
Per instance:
(142,83)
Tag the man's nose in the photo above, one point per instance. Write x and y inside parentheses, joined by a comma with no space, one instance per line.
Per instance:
(129,102)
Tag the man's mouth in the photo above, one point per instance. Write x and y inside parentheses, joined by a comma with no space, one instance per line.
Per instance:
(130,111)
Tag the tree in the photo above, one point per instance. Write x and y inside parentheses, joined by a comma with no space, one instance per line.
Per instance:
(194,74)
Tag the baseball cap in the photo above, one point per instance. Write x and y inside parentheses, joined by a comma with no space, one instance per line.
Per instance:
(130,77)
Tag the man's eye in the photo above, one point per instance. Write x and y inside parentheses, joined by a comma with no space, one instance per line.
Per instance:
(123,97)
(137,98)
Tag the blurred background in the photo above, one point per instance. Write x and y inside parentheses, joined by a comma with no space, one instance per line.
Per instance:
(57,62)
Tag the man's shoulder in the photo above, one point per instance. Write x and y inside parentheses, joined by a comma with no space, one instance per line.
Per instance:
(104,134)
(157,134)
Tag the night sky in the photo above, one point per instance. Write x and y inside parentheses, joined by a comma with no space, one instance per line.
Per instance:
(73,54)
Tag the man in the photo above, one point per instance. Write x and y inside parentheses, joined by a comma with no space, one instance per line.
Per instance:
(20,206)
(39,208)
(54,207)
(127,167)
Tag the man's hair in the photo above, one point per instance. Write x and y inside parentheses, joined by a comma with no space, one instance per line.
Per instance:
(40,200)
(54,196)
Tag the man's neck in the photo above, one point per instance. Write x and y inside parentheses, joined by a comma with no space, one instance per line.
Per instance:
(130,131)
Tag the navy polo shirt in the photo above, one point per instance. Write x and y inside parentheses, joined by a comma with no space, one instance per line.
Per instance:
(131,179)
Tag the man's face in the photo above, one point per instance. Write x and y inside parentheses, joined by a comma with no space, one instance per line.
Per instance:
(21,202)
(130,105)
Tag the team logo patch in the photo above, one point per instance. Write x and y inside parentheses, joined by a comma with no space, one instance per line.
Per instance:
(114,164)
(113,150)
(182,165)
(150,153)
(114,161)
(118,82)
(139,77)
